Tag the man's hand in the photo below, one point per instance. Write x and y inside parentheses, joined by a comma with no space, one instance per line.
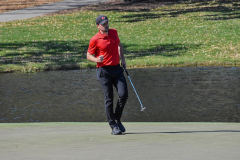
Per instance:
(94,59)
(101,58)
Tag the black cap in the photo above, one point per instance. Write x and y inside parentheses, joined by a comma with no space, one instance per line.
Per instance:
(101,19)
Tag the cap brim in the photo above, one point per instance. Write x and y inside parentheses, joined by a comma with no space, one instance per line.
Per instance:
(102,22)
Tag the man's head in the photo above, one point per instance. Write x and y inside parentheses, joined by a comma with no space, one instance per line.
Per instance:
(102,24)
(101,19)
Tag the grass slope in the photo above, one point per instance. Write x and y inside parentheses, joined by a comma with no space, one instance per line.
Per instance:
(190,34)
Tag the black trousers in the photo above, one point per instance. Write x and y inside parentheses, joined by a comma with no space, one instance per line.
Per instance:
(110,76)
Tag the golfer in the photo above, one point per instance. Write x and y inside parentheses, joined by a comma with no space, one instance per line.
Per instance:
(106,50)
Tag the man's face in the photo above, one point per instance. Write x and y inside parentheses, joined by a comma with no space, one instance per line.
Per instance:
(103,27)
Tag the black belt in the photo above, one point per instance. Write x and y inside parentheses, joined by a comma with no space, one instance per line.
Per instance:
(111,67)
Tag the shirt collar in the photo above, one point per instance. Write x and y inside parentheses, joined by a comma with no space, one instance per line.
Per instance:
(103,36)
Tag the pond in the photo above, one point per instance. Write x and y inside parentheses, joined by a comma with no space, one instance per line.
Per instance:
(175,94)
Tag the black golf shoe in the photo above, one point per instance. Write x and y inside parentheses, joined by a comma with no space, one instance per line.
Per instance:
(116,130)
(121,127)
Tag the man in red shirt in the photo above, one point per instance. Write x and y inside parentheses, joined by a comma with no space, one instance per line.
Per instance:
(106,50)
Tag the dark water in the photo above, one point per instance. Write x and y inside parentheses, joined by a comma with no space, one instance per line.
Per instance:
(198,94)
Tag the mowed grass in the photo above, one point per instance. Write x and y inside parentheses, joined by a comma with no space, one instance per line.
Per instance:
(178,35)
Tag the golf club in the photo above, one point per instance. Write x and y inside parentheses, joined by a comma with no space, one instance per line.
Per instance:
(142,108)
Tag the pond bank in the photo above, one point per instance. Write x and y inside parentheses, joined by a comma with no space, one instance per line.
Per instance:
(174,94)
(66,67)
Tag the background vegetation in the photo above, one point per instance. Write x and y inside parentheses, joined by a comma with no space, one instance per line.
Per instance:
(184,34)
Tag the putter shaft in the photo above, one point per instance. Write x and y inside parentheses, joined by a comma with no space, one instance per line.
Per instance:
(142,108)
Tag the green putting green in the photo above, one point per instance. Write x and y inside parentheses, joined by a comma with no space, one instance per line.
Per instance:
(141,141)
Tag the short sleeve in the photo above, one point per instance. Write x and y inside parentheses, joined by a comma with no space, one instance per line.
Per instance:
(92,46)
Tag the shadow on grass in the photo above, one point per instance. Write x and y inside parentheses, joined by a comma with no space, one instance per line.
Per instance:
(219,131)
(67,55)
(52,52)
(142,9)
(225,14)
(165,50)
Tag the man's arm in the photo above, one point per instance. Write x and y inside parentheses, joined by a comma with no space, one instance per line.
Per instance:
(121,54)
(90,57)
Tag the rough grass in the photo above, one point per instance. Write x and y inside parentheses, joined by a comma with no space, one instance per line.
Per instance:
(189,34)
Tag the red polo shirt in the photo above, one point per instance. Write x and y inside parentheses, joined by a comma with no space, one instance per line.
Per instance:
(106,45)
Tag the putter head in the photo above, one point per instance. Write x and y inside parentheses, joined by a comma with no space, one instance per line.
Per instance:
(143,108)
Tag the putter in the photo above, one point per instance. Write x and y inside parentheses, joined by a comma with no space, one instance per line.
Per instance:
(142,108)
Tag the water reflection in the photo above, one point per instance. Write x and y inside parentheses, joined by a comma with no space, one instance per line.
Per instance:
(198,94)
